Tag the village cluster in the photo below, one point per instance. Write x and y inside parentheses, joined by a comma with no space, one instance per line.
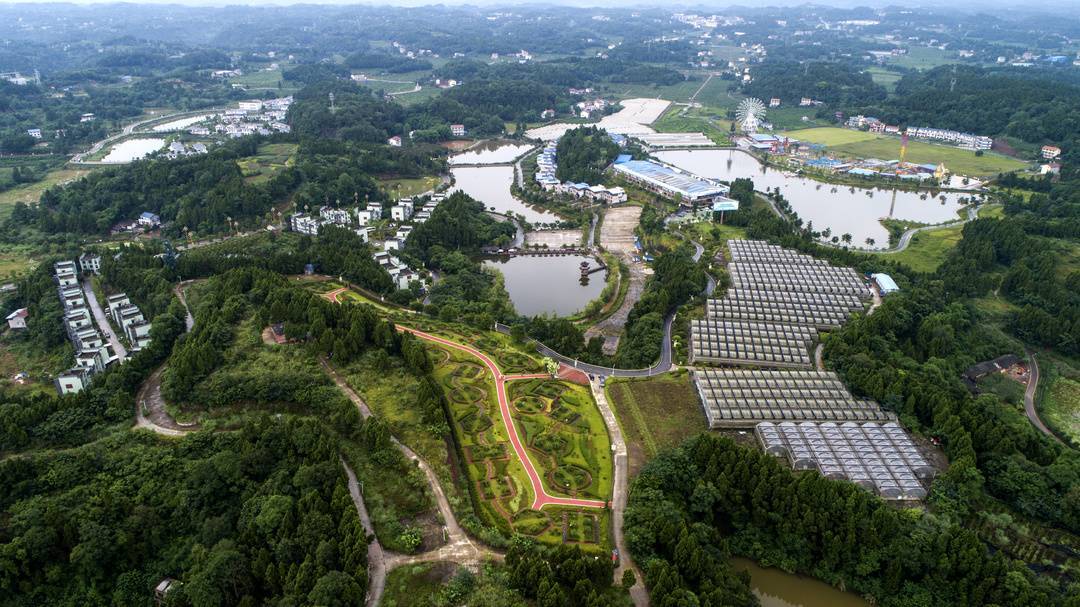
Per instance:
(547,165)
(404,214)
(249,118)
(91,349)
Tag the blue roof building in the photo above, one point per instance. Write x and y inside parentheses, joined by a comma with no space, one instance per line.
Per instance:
(885,283)
(669,182)
(623,158)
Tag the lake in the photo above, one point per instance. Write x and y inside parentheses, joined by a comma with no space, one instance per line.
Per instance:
(844,209)
(182,123)
(133,149)
(491,152)
(548,284)
(776,588)
(491,186)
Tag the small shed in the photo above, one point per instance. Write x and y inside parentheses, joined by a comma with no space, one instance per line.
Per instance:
(17,319)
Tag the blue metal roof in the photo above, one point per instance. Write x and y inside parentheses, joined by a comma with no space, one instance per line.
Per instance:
(683,183)
(622,158)
(885,283)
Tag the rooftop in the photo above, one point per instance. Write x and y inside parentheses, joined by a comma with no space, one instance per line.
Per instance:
(666,177)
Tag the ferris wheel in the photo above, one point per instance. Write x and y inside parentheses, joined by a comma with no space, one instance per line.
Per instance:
(750,114)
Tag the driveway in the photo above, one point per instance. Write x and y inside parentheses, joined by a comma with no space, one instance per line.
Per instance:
(103,321)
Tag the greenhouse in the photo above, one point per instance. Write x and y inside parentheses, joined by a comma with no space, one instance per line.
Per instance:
(744,397)
(791,312)
(763,252)
(744,342)
(797,277)
(880,457)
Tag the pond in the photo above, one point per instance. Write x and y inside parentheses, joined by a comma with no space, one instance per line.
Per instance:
(844,209)
(182,123)
(491,186)
(548,284)
(776,588)
(491,152)
(132,149)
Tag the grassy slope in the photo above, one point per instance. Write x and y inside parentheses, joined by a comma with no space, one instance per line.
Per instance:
(406,188)
(1061,407)
(655,413)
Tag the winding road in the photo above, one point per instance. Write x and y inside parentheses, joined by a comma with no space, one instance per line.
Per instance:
(905,238)
(542,497)
(1029,398)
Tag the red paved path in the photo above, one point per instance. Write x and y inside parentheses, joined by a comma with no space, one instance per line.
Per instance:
(542,497)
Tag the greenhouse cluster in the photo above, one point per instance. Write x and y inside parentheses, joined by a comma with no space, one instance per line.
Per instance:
(737,342)
(734,398)
(778,300)
(880,457)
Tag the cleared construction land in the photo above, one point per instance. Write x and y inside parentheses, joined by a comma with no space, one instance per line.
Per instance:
(617,237)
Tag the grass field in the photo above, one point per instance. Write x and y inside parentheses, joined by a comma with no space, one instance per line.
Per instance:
(655,413)
(928,248)
(267,80)
(716,94)
(407,188)
(791,117)
(417,585)
(924,58)
(30,193)
(674,120)
(1061,407)
(885,77)
(861,144)
(679,92)
(271,159)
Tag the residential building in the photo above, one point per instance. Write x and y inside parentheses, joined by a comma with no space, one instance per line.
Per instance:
(88,117)
(335,216)
(304,224)
(117,301)
(77,319)
(774,102)
(17,319)
(364,233)
(457,130)
(363,216)
(394,141)
(375,208)
(251,106)
(138,334)
(1050,152)
(72,381)
(35,133)
(90,263)
(149,220)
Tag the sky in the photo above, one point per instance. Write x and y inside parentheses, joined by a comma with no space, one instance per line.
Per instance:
(981,5)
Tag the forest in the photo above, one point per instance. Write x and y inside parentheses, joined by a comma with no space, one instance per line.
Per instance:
(694,506)
(584,154)
(834,83)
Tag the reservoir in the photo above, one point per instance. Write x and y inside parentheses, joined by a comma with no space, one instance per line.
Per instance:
(491,186)
(856,211)
(776,588)
(491,152)
(549,284)
(132,149)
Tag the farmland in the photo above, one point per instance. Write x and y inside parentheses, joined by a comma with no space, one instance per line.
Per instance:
(1061,407)
(655,413)
(271,159)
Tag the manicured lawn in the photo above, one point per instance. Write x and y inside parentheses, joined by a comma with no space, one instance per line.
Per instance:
(1061,407)
(559,424)
(928,249)
(655,413)
(861,144)
(264,80)
(407,188)
(271,159)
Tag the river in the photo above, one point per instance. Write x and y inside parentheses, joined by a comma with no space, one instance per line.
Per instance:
(491,186)
(776,588)
(548,284)
(843,209)
(133,149)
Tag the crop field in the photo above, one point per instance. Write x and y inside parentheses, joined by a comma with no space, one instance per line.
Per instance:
(924,58)
(885,77)
(861,144)
(561,429)
(271,159)
(679,92)
(675,121)
(656,413)
(1061,407)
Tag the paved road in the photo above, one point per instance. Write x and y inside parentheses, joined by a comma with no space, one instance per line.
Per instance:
(663,366)
(619,494)
(1029,398)
(905,238)
(542,497)
(103,321)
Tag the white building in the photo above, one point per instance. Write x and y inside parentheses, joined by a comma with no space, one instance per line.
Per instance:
(457,130)
(72,381)
(304,224)
(90,263)
(17,319)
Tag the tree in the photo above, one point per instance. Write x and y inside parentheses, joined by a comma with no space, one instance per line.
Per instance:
(628,579)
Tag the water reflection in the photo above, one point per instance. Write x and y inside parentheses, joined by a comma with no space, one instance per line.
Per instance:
(843,209)
(490,152)
(491,186)
(776,588)
(549,284)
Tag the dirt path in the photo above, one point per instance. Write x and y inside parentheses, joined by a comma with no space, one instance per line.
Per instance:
(617,237)
(150,412)
(542,497)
